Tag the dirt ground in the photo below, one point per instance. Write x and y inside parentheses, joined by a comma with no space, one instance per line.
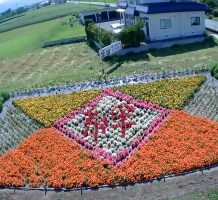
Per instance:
(172,187)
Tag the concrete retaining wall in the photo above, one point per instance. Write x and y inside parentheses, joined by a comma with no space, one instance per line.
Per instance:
(64,41)
(161,45)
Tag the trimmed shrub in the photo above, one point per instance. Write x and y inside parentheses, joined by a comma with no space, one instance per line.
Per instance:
(132,36)
(98,34)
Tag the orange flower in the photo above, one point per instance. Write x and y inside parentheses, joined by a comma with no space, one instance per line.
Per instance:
(183,143)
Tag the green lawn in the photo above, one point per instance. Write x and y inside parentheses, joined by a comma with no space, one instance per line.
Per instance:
(68,63)
(45,14)
(65,31)
(175,58)
(30,38)
(78,62)
(207,195)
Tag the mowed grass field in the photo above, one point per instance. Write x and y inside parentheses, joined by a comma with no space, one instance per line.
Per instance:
(68,63)
(45,14)
(31,38)
(175,58)
(78,62)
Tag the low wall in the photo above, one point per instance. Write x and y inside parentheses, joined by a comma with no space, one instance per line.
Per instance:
(160,45)
(64,41)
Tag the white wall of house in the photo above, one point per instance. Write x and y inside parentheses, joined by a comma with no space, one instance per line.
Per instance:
(180,25)
(134,2)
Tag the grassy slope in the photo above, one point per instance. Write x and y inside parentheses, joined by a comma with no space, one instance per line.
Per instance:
(186,56)
(204,195)
(31,38)
(45,14)
(77,62)
(65,31)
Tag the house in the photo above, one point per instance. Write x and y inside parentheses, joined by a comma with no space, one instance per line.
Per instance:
(167,19)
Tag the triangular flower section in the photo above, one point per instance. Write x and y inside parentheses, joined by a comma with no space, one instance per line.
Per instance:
(113,125)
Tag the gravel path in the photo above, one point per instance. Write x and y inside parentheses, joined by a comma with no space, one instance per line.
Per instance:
(69,88)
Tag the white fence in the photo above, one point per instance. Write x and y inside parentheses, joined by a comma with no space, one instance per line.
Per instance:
(110,49)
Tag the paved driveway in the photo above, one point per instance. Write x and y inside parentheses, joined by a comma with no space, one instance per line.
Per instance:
(211,25)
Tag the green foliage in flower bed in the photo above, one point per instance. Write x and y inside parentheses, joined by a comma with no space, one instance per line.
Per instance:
(214,70)
(4,96)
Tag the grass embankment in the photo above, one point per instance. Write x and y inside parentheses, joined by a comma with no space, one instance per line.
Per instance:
(45,14)
(78,62)
(199,195)
(31,38)
(75,62)
(175,58)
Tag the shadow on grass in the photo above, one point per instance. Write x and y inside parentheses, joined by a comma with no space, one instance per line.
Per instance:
(174,50)
(128,57)
(179,49)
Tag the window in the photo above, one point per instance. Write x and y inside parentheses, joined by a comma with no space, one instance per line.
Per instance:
(165,23)
(131,1)
(195,21)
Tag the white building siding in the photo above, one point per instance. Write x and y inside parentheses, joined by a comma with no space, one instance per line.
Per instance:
(180,25)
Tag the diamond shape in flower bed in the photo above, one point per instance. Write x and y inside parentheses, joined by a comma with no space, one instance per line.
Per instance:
(113,125)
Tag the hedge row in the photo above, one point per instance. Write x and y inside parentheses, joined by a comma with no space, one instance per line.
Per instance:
(131,36)
(98,34)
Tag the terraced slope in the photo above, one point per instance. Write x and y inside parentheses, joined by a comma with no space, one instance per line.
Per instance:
(14,128)
(205,102)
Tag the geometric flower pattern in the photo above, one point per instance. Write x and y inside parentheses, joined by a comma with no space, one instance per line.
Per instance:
(113,125)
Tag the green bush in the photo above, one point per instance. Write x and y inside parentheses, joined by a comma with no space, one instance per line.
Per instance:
(5,95)
(214,70)
(98,34)
(210,3)
(88,21)
(1,106)
(132,36)
(215,12)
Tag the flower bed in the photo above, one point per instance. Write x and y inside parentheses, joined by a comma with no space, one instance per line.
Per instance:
(181,144)
(169,93)
(113,125)
(46,110)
